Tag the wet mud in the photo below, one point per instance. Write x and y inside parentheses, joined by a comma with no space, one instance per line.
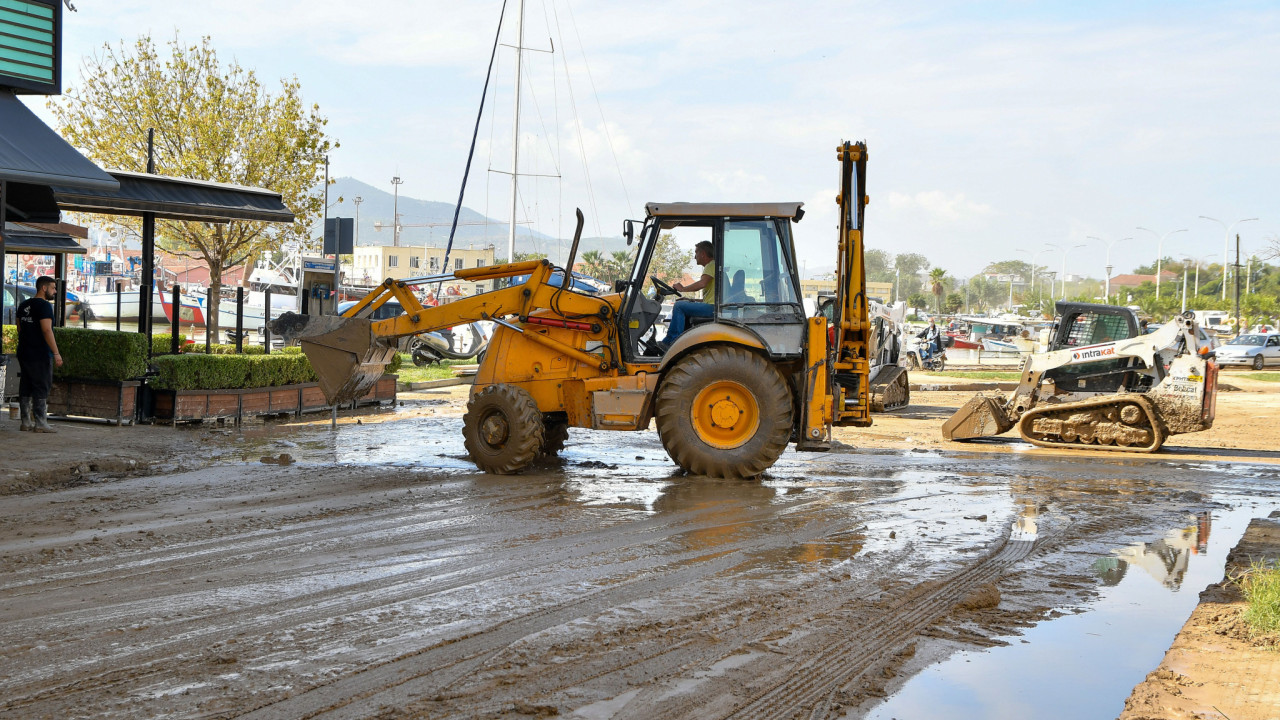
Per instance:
(376,574)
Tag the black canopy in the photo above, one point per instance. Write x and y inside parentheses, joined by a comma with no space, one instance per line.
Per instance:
(173,198)
(24,240)
(31,152)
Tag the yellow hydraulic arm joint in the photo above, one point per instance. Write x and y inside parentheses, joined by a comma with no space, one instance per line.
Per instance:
(849,379)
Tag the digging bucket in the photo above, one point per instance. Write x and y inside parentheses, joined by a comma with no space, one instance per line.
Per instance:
(982,416)
(348,358)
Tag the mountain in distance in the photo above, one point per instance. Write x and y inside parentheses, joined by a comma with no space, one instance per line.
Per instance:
(474,229)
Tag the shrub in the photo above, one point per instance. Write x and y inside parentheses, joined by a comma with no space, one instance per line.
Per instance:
(227,349)
(162,343)
(93,354)
(197,371)
(100,354)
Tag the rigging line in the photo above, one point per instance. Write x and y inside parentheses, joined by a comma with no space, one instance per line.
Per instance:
(555,108)
(577,118)
(605,123)
(474,135)
(536,107)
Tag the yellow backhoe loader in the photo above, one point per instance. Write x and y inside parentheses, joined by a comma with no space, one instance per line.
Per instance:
(727,396)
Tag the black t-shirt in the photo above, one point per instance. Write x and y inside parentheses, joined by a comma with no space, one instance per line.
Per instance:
(31,342)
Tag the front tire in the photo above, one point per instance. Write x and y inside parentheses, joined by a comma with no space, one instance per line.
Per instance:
(724,412)
(1258,362)
(502,430)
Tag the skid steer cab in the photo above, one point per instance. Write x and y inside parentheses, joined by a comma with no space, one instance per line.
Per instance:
(749,374)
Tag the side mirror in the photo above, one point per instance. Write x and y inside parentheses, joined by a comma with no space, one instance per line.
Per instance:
(628,232)
(620,285)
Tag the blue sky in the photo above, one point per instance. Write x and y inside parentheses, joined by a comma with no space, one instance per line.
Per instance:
(992,127)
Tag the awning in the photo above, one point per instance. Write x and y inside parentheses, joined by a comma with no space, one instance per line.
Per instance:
(172,198)
(31,152)
(24,240)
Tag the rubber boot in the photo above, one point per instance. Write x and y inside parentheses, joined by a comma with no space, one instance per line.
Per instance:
(24,410)
(41,408)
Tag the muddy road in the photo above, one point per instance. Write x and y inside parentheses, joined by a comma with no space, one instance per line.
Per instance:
(379,576)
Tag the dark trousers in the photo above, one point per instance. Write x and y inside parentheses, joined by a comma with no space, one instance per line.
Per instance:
(37,377)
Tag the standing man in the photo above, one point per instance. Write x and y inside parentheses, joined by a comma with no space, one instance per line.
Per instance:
(37,355)
(704,255)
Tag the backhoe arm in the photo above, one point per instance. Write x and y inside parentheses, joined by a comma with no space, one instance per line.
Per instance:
(350,352)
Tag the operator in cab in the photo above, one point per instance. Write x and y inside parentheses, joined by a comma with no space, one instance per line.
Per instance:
(685,308)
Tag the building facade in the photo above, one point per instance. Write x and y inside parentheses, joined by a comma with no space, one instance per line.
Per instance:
(374,263)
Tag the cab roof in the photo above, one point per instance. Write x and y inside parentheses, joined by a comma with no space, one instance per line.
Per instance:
(791,210)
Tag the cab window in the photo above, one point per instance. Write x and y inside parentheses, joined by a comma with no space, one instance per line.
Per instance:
(755,278)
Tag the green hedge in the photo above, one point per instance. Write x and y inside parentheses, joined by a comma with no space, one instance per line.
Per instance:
(9,345)
(393,367)
(228,371)
(93,354)
(162,343)
(197,371)
(223,349)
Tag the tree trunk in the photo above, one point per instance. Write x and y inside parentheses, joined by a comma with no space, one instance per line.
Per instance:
(214,300)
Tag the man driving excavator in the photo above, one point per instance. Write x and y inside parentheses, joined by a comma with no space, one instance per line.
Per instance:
(685,308)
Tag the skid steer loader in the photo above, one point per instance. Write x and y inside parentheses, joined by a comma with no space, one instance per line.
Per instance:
(727,396)
(1102,385)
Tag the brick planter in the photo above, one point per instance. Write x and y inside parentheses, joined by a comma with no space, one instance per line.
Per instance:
(189,405)
(102,399)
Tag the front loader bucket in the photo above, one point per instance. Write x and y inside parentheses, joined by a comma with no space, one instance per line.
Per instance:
(348,358)
(982,416)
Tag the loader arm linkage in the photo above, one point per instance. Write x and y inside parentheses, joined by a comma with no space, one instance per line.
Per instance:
(349,352)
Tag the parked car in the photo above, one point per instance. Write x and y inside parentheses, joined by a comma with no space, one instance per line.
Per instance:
(15,295)
(1256,350)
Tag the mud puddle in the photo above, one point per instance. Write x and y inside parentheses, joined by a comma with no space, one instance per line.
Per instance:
(1086,663)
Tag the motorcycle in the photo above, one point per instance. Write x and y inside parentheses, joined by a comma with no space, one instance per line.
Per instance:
(457,343)
(924,357)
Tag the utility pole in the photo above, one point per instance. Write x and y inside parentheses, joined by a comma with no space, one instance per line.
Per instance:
(1226,240)
(1184,288)
(396,182)
(1160,252)
(1238,318)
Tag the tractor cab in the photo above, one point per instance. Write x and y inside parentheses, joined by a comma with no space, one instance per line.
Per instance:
(754,293)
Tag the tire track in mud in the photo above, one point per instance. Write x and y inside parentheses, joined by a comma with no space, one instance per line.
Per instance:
(145,655)
(406,679)
(812,683)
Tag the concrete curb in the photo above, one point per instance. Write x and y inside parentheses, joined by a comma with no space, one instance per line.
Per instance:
(963,386)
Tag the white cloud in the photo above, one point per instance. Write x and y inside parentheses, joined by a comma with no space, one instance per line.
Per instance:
(940,209)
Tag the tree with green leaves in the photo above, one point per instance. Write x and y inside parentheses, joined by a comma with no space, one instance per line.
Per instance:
(937,285)
(212,122)
(669,262)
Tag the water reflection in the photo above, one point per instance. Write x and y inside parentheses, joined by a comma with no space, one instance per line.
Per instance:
(1165,560)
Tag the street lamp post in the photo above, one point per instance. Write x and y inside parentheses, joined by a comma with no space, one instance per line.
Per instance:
(396,182)
(1226,244)
(1034,256)
(1063,274)
(1109,266)
(357,200)
(1160,252)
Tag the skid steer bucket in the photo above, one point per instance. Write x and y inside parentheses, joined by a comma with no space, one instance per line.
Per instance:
(347,357)
(982,416)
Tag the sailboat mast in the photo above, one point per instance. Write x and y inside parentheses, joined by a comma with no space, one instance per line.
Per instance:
(515,139)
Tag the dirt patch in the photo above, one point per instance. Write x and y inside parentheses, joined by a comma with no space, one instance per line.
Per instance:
(1215,669)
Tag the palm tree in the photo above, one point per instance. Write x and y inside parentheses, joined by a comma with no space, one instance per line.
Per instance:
(593,263)
(936,277)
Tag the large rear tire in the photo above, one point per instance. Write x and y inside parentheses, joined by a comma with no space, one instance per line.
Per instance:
(502,430)
(724,412)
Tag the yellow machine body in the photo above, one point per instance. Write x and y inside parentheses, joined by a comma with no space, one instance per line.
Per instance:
(556,360)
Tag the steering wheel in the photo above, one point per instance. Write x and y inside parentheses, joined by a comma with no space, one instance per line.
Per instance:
(663,288)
